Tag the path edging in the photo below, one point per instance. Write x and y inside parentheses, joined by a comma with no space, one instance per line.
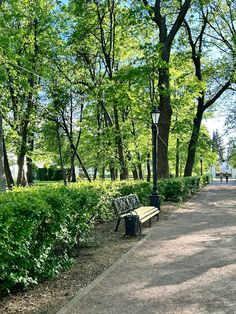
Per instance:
(83,292)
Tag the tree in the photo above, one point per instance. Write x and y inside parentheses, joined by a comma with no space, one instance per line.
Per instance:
(206,77)
(218,145)
(232,153)
(168,29)
(26,41)
(2,171)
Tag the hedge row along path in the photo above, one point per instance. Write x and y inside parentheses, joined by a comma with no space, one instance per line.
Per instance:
(186,264)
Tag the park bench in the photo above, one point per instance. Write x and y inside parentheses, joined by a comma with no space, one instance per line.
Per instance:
(128,207)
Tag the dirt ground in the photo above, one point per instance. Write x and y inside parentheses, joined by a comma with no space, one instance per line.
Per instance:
(106,246)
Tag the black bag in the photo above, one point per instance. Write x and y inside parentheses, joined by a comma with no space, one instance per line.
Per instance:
(132,225)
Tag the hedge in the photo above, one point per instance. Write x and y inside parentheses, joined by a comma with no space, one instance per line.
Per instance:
(48,174)
(41,228)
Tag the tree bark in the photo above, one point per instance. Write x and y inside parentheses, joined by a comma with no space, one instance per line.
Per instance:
(135,172)
(29,164)
(193,143)
(21,154)
(140,170)
(148,168)
(2,172)
(8,174)
(60,155)
(102,175)
(177,158)
(113,173)
(95,174)
(123,169)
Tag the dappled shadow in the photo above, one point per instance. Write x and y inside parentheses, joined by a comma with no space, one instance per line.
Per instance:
(186,265)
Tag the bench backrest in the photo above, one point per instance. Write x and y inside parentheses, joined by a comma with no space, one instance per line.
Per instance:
(126,204)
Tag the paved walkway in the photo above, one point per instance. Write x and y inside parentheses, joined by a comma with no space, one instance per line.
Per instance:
(186,264)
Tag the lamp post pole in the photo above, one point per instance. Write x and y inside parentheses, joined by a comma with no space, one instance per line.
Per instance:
(201,163)
(154,197)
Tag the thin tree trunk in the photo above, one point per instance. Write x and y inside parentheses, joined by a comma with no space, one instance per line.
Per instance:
(123,168)
(72,171)
(135,172)
(177,158)
(60,155)
(193,144)
(165,116)
(95,174)
(102,176)
(29,172)
(8,174)
(140,170)
(29,164)
(113,173)
(148,168)
(2,172)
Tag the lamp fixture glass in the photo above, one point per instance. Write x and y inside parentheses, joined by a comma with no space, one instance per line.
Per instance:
(155,115)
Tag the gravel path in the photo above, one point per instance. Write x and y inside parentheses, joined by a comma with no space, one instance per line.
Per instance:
(186,264)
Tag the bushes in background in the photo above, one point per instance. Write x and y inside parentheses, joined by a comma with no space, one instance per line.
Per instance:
(41,228)
(48,174)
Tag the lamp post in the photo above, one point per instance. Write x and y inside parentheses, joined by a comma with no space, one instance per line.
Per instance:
(201,163)
(154,197)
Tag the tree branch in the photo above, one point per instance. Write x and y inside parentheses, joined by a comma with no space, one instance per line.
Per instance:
(178,22)
(217,95)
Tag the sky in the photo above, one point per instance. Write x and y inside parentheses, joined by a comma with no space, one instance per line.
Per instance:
(216,123)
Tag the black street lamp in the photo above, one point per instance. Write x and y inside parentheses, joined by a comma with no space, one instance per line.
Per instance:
(154,197)
(201,163)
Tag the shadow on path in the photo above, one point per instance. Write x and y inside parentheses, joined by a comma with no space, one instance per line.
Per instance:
(186,265)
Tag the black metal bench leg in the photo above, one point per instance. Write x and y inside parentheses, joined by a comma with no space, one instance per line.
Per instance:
(117,225)
(157,217)
(150,222)
(140,228)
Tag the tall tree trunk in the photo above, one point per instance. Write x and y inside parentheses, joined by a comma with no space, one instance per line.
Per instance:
(165,116)
(2,172)
(60,155)
(72,174)
(177,158)
(113,173)
(20,164)
(29,164)
(135,172)
(148,168)
(102,175)
(21,155)
(72,171)
(8,174)
(29,171)
(123,168)
(193,143)
(140,170)
(95,174)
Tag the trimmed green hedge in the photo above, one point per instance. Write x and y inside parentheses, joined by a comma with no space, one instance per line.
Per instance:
(41,228)
(48,174)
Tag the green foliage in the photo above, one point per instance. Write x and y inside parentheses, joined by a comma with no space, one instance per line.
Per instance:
(42,227)
(178,189)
